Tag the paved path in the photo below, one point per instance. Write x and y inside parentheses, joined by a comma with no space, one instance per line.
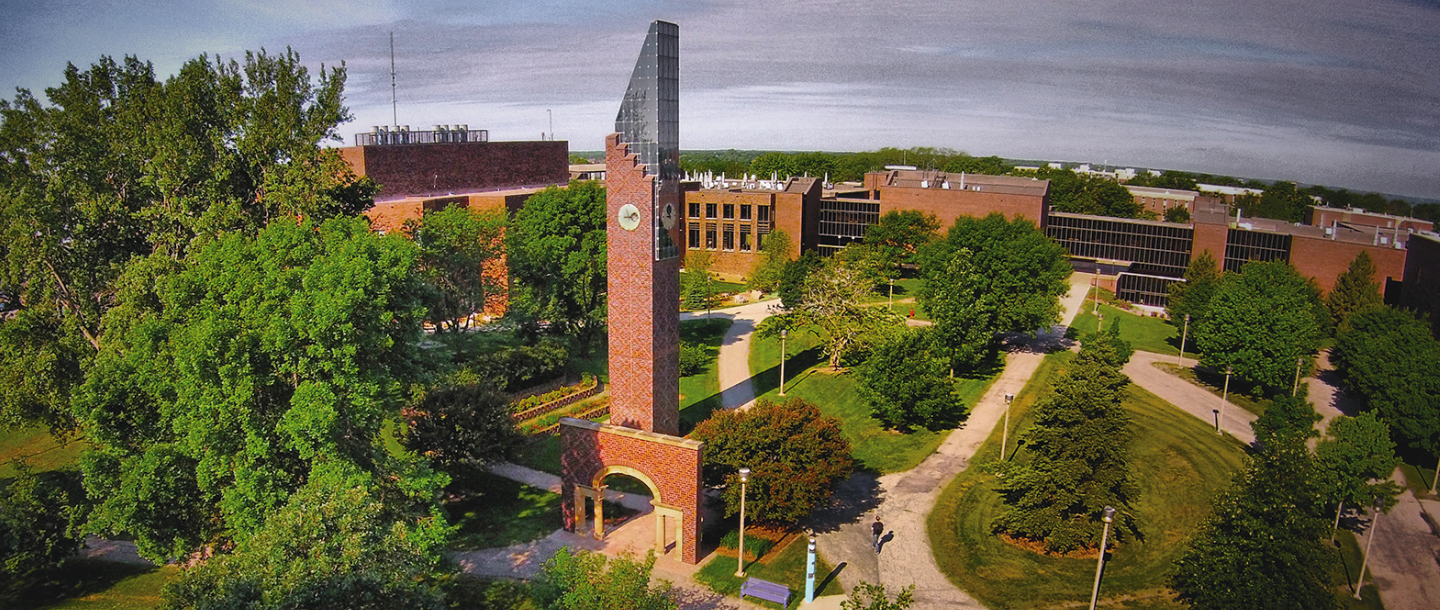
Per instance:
(736,389)
(1405,559)
(905,498)
(1187,396)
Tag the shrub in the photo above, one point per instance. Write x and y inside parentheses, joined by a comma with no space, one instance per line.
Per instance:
(693,358)
(520,367)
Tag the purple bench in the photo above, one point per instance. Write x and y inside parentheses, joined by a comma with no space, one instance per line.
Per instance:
(766,590)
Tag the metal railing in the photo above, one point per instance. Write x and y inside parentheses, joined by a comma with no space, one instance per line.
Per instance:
(381,136)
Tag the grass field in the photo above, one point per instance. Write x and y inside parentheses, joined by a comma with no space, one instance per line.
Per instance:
(1143,332)
(1214,383)
(501,512)
(37,447)
(785,566)
(808,377)
(1180,466)
(99,585)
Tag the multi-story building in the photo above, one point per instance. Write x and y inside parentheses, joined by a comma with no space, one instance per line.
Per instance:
(732,218)
(1159,200)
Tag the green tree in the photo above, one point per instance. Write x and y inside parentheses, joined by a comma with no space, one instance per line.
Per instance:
(1080,443)
(1085,194)
(1355,290)
(1192,296)
(1260,322)
(39,518)
(1177,214)
(793,277)
(697,282)
(867,596)
(336,543)
(459,251)
(904,380)
(1287,419)
(586,580)
(1281,201)
(1260,545)
(770,266)
(462,426)
(556,245)
(898,237)
(830,305)
(1386,358)
(988,276)
(1357,460)
(796,455)
(119,166)
(226,376)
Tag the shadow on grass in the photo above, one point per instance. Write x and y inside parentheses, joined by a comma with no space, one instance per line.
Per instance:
(829,578)
(856,497)
(769,379)
(79,578)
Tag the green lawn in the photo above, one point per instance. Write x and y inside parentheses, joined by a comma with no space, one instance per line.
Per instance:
(786,567)
(807,376)
(501,512)
(37,447)
(100,585)
(1214,383)
(1143,332)
(1180,463)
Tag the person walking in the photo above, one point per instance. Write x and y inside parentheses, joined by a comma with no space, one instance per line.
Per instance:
(877,528)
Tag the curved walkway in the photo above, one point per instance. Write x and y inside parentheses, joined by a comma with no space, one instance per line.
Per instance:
(736,389)
(1187,396)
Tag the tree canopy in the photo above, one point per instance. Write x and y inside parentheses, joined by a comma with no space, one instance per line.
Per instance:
(461,251)
(1280,200)
(1260,321)
(905,381)
(1357,460)
(830,305)
(899,236)
(1386,357)
(796,456)
(585,580)
(988,276)
(1087,194)
(774,256)
(1192,296)
(556,245)
(1355,290)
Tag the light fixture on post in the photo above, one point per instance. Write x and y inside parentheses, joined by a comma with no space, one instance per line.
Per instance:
(783,332)
(1298,363)
(892,293)
(1005,432)
(1224,398)
(1369,540)
(740,557)
(810,569)
(1107,516)
(1183,333)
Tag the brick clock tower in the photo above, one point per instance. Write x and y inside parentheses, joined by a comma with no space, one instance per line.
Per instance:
(642,232)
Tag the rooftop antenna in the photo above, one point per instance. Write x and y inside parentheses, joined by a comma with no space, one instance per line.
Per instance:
(552,124)
(394,114)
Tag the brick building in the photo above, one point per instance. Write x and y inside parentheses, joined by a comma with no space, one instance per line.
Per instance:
(1158,200)
(731,218)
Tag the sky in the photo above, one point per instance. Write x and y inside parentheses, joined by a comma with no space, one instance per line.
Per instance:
(1331,92)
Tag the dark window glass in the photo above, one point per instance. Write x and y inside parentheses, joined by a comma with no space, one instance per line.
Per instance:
(745,238)
(744,212)
(693,238)
(709,236)
(729,211)
(764,212)
(695,209)
(709,210)
(729,237)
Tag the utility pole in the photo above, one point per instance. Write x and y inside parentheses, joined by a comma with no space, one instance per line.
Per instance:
(552,124)
(394,112)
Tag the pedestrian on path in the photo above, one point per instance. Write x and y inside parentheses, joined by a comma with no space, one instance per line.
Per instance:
(877,528)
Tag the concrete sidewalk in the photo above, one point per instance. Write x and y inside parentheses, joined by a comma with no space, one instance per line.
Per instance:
(1187,396)
(736,388)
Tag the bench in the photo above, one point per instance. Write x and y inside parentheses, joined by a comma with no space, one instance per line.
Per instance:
(766,590)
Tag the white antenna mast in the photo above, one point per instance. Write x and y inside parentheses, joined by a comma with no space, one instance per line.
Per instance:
(552,124)
(394,113)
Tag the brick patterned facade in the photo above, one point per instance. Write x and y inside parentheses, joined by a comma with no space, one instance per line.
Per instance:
(590,451)
(794,210)
(644,297)
(404,170)
(1325,260)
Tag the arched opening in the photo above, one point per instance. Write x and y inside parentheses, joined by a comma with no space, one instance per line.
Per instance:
(637,486)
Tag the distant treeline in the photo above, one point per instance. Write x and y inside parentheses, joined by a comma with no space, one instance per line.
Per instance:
(1070,191)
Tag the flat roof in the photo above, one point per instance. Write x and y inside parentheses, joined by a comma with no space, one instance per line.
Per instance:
(1015,185)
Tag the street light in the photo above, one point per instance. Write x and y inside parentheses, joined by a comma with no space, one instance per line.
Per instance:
(1005,434)
(1374,529)
(1225,396)
(1183,333)
(782,361)
(1095,290)
(892,293)
(1107,516)
(740,559)
(1298,362)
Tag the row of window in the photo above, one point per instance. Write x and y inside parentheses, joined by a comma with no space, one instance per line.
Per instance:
(726,237)
(1162,250)
(1146,290)
(842,222)
(727,211)
(1244,246)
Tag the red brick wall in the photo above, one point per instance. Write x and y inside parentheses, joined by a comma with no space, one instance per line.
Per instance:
(1212,238)
(644,297)
(1325,260)
(947,205)
(673,467)
(1322,217)
(422,169)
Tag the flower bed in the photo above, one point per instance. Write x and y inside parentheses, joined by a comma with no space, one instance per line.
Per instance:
(536,406)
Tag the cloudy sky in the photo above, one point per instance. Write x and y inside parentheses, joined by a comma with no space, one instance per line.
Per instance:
(1334,92)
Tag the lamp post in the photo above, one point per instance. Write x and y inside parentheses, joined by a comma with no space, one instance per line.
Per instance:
(782,361)
(1005,433)
(810,570)
(892,293)
(1224,396)
(1183,333)
(1298,363)
(1107,516)
(1099,322)
(1374,529)
(740,558)
(1095,291)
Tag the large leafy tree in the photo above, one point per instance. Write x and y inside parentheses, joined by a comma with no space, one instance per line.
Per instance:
(226,376)
(462,426)
(1080,464)
(583,580)
(830,304)
(1260,545)
(899,235)
(119,165)
(793,277)
(461,253)
(1280,200)
(1386,357)
(1260,321)
(774,256)
(1355,290)
(1356,460)
(796,455)
(906,384)
(1192,296)
(556,245)
(991,275)
(336,543)
(1085,194)
(39,515)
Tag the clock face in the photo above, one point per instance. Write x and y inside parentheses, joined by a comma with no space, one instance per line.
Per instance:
(629,217)
(668,218)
